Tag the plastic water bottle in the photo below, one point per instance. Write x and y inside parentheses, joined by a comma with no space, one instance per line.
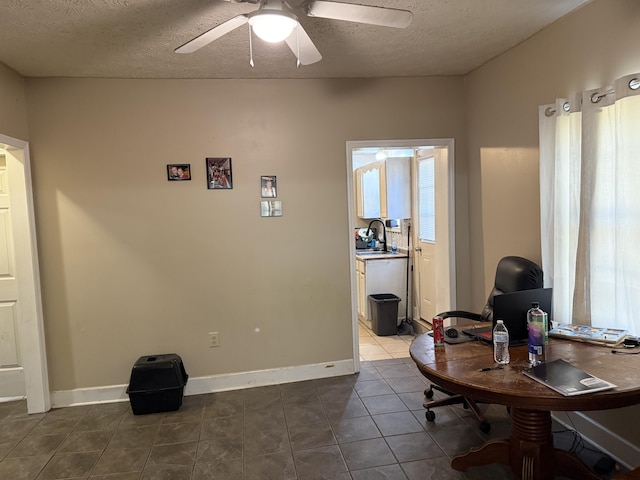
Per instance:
(501,343)
(537,326)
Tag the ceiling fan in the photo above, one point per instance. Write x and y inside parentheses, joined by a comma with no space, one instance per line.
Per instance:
(275,21)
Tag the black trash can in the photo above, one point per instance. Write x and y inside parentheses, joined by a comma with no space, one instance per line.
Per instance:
(384,313)
(157,384)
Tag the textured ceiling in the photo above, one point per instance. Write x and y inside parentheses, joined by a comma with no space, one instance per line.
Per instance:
(137,38)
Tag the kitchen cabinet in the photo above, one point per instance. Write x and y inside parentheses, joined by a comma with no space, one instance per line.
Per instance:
(383,189)
(368,190)
(380,275)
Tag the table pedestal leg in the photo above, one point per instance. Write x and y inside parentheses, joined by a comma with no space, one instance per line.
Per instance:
(528,451)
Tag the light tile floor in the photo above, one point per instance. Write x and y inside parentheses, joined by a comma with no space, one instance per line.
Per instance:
(368,426)
(373,347)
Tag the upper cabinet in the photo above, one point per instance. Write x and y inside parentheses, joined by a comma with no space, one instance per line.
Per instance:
(383,189)
(369,188)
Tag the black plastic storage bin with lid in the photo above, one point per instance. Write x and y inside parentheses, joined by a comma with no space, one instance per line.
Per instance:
(384,313)
(157,384)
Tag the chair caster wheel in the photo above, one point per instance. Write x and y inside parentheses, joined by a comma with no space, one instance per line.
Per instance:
(428,393)
(485,427)
(430,416)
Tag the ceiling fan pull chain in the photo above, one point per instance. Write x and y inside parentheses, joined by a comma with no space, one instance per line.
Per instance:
(250,48)
(298,45)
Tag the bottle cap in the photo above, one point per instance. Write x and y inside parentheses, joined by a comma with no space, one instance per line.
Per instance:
(535,304)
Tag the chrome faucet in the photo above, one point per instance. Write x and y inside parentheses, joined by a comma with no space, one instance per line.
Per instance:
(384,232)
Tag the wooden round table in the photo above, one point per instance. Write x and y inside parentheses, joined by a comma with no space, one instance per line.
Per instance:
(529,450)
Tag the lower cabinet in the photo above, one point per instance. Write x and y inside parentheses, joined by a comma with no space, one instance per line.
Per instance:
(380,275)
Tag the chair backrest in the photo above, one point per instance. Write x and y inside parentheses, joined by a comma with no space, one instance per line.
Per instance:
(512,274)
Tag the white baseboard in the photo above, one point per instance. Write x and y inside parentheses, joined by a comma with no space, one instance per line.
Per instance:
(11,399)
(210,384)
(421,326)
(609,442)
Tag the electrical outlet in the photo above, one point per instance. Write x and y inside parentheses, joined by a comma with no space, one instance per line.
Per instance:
(214,339)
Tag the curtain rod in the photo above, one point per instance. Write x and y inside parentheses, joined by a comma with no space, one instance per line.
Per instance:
(550,111)
(633,84)
(596,97)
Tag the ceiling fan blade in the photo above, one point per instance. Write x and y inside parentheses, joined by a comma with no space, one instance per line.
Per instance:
(302,46)
(386,17)
(212,34)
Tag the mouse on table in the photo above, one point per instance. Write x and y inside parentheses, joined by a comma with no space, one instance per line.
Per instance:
(451,333)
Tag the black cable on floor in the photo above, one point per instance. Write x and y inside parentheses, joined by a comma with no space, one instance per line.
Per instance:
(604,465)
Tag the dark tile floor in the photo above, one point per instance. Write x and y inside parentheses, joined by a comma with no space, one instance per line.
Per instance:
(367,426)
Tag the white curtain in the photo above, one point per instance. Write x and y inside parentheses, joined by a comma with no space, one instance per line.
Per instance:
(590,205)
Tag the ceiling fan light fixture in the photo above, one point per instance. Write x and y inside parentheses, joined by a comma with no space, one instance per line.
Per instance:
(272,27)
(381,155)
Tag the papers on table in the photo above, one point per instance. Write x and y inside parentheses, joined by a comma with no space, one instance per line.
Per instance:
(587,333)
(567,379)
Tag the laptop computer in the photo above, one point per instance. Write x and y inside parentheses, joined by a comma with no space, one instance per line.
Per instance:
(512,309)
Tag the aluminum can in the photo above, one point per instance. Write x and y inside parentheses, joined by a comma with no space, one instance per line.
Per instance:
(438,331)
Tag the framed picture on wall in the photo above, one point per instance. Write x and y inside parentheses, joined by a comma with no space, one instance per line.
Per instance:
(268,183)
(271,208)
(219,174)
(178,172)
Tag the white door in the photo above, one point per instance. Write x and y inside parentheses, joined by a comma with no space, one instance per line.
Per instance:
(23,369)
(425,230)
(433,232)
(11,372)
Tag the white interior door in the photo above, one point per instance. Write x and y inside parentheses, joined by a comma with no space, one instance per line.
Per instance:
(11,371)
(425,229)
(433,232)
(425,259)
(22,348)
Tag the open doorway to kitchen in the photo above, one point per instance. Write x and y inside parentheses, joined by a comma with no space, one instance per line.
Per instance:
(413,193)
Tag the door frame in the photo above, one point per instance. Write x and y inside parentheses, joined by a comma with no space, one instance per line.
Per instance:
(29,312)
(410,143)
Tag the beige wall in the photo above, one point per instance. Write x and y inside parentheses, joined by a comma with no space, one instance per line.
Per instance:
(13,110)
(585,50)
(133,265)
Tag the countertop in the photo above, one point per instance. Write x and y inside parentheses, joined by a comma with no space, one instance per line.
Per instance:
(380,256)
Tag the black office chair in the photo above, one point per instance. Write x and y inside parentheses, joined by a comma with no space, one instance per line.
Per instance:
(512,274)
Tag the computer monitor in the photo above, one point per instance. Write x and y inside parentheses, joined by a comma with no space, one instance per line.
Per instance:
(512,309)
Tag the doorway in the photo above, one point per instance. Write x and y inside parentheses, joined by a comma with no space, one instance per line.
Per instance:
(22,350)
(433,276)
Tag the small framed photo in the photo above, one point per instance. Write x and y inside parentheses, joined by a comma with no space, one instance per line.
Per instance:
(268,183)
(178,171)
(219,175)
(272,208)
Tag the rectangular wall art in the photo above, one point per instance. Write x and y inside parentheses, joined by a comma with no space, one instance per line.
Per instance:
(272,208)
(268,186)
(219,175)
(178,171)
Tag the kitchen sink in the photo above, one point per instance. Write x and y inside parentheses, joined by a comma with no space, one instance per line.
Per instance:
(370,252)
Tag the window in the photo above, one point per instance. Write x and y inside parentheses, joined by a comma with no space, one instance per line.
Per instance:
(590,206)
(427,199)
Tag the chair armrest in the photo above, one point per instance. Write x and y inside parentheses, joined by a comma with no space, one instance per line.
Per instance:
(461,314)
